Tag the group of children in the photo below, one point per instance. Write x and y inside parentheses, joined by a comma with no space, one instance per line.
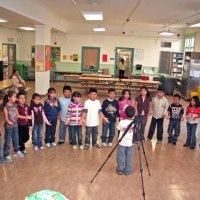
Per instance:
(20,119)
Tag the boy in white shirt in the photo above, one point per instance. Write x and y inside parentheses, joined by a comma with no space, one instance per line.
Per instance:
(126,146)
(92,109)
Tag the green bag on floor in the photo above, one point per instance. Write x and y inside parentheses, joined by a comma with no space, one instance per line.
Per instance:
(46,195)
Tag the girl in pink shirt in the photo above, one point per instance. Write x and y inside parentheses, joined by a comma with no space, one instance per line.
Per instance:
(123,102)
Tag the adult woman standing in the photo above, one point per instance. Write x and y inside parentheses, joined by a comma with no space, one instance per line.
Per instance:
(121,68)
(17,83)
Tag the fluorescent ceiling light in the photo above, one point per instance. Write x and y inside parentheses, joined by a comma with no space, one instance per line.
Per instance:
(3,20)
(167,33)
(26,28)
(195,25)
(93,15)
(99,29)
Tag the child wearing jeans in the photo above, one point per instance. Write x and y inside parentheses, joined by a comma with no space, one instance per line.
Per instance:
(110,109)
(192,115)
(75,112)
(51,110)
(38,118)
(126,146)
(143,104)
(23,124)
(160,106)
(175,115)
(11,127)
(64,104)
(92,109)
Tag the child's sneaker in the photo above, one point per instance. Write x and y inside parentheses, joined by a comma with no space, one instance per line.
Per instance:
(35,148)
(81,147)
(47,145)
(149,140)
(74,147)
(8,159)
(104,144)
(25,152)
(120,172)
(41,148)
(19,154)
(97,145)
(110,144)
(86,147)
(53,144)
(159,141)
(59,143)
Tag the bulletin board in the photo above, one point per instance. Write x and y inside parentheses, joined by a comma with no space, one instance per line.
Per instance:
(55,53)
(90,58)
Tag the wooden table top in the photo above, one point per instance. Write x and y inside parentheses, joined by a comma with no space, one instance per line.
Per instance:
(96,75)
(5,84)
(118,80)
(71,76)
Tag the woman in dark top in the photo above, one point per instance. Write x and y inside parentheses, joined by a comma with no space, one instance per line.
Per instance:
(143,110)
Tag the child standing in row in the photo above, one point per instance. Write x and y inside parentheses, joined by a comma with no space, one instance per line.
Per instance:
(192,115)
(160,106)
(110,110)
(175,115)
(126,146)
(38,118)
(23,124)
(143,104)
(92,109)
(75,112)
(123,102)
(51,110)
(11,126)
(64,104)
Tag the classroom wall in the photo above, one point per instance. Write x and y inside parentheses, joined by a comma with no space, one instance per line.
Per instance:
(146,49)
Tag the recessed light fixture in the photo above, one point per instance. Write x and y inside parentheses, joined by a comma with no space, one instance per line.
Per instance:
(167,33)
(26,28)
(3,20)
(195,25)
(99,29)
(93,15)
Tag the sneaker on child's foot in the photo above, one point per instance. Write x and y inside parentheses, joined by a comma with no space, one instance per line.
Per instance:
(186,145)
(174,143)
(149,140)
(86,147)
(47,145)
(81,147)
(41,148)
(104,144)
(74,147)
(120,172)
(8,159)
(110,144)
(25,152)
(159,141)
(53,144)
(35,148)
(97,145)
(59,143)
(19,154)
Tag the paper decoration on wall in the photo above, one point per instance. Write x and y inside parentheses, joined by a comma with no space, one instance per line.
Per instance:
(75,57)
(55,53)
(112,59)
(71,57)
(104,58)
(64,57)
(47,58)
(139,54)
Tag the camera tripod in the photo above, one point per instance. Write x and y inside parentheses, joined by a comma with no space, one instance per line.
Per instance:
(137,125)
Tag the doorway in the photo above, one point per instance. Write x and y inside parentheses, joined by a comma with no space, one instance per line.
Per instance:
(9,59)
(128,55)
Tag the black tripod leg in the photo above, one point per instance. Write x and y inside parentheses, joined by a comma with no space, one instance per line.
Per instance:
(145,157)
(141,171)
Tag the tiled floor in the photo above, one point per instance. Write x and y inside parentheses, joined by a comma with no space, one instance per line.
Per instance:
(174,171)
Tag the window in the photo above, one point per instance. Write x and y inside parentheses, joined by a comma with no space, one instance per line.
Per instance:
(189,44)
(90,58)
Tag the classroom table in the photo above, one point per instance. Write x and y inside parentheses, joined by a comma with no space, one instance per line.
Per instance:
(5,84)
(96,75)
(67,76)
(112,82)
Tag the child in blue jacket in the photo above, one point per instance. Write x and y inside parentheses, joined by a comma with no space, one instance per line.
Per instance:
(51,110)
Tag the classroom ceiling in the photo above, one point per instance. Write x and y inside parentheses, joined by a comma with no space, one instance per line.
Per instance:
(146,17)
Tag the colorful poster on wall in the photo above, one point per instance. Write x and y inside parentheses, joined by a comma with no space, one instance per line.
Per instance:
(39,58)
(47,58)
(104,58)
(33,56)
(64,57)
(75,57)
(71,57)
(55,53)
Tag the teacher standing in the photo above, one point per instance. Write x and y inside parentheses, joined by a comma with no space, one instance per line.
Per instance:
(121,68)
(17,83)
